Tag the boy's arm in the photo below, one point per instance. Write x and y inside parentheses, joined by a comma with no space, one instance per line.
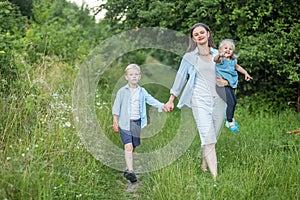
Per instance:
(115,123)
(153,101)
(243,71)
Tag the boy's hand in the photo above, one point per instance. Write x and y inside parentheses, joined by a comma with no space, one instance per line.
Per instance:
(116,127)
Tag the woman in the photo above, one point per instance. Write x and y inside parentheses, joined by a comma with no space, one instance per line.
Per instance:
(196,82)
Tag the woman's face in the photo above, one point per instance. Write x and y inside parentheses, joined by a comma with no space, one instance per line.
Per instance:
(200,35)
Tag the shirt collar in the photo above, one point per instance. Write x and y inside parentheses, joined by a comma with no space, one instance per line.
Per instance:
(196,51)
(127,86)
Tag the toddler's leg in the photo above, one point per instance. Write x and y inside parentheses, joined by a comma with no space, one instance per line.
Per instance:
(231,103)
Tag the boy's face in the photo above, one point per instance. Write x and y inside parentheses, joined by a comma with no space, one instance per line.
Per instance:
(132,76)
(227,48)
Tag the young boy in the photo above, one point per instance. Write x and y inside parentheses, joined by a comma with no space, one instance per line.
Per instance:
(129,115)
(227,67)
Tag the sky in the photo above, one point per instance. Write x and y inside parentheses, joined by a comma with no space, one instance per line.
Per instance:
(91,4)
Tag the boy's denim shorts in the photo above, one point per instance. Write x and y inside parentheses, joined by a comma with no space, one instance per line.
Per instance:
(134,135)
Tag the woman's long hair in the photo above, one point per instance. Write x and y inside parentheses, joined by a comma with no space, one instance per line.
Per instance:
(193,44)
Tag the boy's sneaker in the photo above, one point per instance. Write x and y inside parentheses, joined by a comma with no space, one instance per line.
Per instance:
(125,172)
(130,176)
(233,126)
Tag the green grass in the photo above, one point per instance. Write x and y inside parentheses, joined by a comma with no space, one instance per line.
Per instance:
(42,157)
(260,162)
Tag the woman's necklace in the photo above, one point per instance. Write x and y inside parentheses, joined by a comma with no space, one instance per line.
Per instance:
(207,54)
(203,54)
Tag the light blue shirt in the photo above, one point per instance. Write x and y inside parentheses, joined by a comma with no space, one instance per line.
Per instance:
(122,106)
(185,77)
(227,70)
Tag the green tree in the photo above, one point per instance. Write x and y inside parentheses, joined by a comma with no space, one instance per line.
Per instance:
(25,6)
(56,28)
(266,34)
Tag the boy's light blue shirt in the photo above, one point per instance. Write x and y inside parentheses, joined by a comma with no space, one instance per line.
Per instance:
(122,106)
(186,77)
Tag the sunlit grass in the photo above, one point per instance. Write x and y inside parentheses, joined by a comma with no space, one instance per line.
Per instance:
(42,157)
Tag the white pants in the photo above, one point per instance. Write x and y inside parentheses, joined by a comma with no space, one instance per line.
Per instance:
(209,114)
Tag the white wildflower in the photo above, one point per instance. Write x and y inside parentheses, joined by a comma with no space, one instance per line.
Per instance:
(67,124)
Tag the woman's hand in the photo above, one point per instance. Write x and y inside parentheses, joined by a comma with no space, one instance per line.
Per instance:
(169,106)
(221,82)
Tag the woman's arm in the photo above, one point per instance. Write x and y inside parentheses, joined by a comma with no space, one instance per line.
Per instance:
(222,82)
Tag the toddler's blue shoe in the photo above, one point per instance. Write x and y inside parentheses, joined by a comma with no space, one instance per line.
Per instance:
(232,126)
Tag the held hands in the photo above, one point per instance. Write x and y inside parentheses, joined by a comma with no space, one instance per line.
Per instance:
(169,106)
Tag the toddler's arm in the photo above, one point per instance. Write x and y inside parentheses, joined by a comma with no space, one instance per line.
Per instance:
(243,71)
(217,58)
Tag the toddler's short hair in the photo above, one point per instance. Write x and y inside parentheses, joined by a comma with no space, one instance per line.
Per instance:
(133,66)
(222,43)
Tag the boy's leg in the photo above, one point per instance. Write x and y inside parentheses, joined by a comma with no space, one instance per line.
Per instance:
(129,156)
(129,174)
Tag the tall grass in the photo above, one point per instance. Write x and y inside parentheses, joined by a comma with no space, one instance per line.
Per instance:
(41,156)
(260,162)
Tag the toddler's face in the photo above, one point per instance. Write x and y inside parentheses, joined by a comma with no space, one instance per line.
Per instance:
(133,76)
(227,48)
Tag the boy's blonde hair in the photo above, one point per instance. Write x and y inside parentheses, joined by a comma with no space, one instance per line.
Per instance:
(234,56)
(133,66)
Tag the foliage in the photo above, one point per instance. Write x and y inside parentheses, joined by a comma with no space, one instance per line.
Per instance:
(12,28)
(41,156)
(266,35)
(55,28)
(25,6)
